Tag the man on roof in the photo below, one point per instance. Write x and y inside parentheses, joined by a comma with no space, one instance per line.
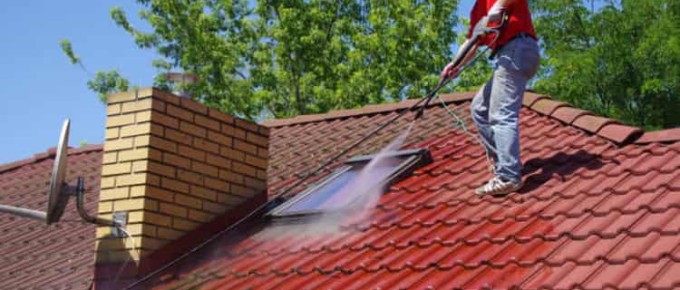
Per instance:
(495,108)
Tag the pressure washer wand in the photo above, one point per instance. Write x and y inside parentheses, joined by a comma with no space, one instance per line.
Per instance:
(482,28)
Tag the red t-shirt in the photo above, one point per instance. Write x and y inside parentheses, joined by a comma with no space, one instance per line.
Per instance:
(519,21)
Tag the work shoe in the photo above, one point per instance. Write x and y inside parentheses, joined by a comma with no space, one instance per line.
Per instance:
(496,186)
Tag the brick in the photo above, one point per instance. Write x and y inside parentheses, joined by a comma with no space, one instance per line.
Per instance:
(113,109)
(174,185)
(239,133)
(128,96)
(150,218)
(165,120)
(140,105)
(192,153)
(213,207)
(140,166)
(188,201)
(179,113)
(264,131)
(204,193)
(157,193)
(113,169)
(136,179)
(207,123)
(232,154)
(120,120)
(256,161)
(130,204)
(216,184)
(169,234)
(263,153)
(158,105)
(179,137)
(137,191)
(175,160)
(112,133)
(228,129)
(220,138)
(141,229)
(230,199)
(144,116)
(193,129)
(190,177)
(257,140)
(135,130)
(184,225)
(110,157)
(107,182)
(162,144)
(220,116)
(256,184)
(245,147)
(218,161)
(261,174)
(114,193)
(193,106)
(206,145)
(244,169)
(134,154)
(152,179)
(243,191)
(199,216)
(155,155)
(161,169)
(173,210)
(105,207)
(103,232)
(143,141)
(205,169)
(231,176)
(166,97)
(247,125)
(120,144)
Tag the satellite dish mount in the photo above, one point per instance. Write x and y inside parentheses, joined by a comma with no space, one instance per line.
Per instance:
(59,191)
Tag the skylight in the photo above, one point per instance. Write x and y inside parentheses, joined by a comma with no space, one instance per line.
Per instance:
(347,187)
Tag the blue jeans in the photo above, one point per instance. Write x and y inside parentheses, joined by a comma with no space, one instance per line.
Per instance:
(495,108)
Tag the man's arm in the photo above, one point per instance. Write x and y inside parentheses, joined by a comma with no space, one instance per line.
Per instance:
(450,72)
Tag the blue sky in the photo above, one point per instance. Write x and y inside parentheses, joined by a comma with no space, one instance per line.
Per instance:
(39,88)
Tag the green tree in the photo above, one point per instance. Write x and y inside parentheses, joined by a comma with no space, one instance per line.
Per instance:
(617,58)
(289,57)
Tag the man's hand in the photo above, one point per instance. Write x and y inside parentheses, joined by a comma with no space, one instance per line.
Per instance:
(496,12)
(450,72)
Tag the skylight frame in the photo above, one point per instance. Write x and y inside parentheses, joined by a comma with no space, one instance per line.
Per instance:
(415,158)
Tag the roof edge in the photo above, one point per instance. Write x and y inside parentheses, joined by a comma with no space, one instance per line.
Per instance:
(661,136)
(49,153)
(365,110)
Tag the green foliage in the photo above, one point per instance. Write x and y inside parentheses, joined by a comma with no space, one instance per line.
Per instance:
(108,82)
(289,57)
(68,50)
(617,58)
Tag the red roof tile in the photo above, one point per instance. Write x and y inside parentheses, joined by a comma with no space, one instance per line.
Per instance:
(594,213)
(38,256)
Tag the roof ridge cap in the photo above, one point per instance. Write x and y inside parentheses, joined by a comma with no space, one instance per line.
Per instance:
(49,153)
(607,128)
(371,109)
(670,135)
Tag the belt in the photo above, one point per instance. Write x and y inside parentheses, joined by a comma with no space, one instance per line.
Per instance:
(518,35)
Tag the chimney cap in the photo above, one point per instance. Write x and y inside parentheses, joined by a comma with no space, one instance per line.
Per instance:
(182,78)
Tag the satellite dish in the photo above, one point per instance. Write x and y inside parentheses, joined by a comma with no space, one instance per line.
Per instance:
(57,198)
(59,191)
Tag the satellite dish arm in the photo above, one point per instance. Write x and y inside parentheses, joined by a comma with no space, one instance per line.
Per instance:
(24,212)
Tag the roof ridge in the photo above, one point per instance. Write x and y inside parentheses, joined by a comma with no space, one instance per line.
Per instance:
(49,153)
(607,128)
(365,110)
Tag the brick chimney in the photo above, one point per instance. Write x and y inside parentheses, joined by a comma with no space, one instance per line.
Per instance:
(170,165)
